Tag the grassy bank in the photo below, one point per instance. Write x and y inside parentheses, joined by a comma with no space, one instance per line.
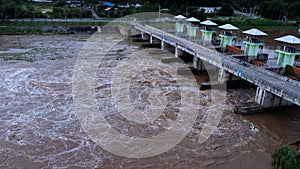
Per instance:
(50,23)
(35,27)
(20,30)
(260,23)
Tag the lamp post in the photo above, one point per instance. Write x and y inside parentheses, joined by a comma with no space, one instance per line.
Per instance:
(159,11)
(186,11)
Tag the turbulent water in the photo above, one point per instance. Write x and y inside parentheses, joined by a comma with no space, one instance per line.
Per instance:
(40,129)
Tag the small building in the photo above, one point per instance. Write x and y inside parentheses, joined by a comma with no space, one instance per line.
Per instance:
(137,5)
(287,54)
(252,44)
(179,25)
(226,38)
(210,9)
(105,3)
(192,26)
(73,3)
(130,5)
(207,32)
(124,6)
(43,1)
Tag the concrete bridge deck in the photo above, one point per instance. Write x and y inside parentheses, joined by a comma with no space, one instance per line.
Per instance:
(267,81)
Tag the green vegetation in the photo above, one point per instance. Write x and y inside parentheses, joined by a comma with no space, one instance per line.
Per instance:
(272,13)
(35,27)
(20,30)
(16,9)
(62,12)
(50,23)
(120,55)
(18,57)
(285,158)
(161,25)
(260,23)
(272,9)
(56,57)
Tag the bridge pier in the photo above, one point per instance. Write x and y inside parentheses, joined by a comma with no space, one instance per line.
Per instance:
(178,52)
(99,29)
(143,35)
(133,32)
(267,99)
(146,36)
(163,45)
(222,75)
(168,47)
(201,66)
(154,40)
(196,62)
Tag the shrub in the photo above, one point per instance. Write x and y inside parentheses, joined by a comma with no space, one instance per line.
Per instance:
(285,158)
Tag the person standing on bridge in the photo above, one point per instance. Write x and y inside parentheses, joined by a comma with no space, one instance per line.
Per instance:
(233,42)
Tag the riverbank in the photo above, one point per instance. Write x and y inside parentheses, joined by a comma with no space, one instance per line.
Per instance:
(39,26)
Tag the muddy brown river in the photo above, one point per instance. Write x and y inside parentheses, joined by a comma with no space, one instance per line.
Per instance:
(39,127)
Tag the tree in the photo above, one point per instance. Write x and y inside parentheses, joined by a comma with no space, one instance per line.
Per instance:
(293,9)
(285,158)
(273,9)
(59,3)
(149,7)
(199,15)
(227,9)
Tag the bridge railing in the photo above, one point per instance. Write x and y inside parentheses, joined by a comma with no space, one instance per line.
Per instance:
(199,50)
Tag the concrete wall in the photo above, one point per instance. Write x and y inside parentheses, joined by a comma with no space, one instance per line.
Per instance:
(84,29)
(70,29)
(110,29)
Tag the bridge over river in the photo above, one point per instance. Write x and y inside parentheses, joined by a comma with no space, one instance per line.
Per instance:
(272,88)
